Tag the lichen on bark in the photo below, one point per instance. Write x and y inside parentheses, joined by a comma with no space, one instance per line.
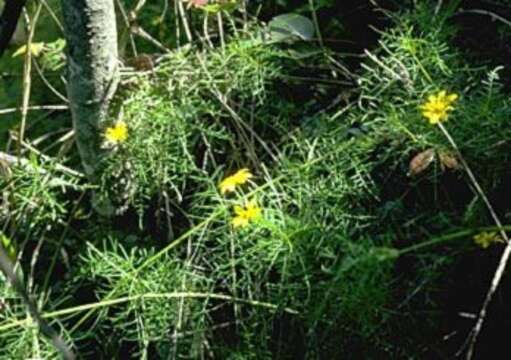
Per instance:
(91,35)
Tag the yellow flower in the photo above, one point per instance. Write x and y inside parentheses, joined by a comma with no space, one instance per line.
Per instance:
(245,214)
(117,133)
(437,107)
(239,178)
(485,239)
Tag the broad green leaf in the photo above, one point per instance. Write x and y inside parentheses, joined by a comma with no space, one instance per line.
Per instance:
(291,27)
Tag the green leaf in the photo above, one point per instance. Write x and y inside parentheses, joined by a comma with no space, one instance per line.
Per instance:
(53,57)
(291,27)
(227,6)
(9,248)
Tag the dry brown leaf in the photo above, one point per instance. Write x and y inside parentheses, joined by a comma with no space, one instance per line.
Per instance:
(142,62)
(421,161)
(5,169)
(449,160)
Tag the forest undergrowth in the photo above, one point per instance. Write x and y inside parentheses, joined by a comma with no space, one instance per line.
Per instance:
(270,194)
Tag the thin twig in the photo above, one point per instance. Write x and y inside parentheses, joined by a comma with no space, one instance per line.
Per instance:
(53,15)
(7,268)
(32,108)
(438,6)
(20,160)
(140,4)
(48,84)
(493,15)
(127,23)
(67,226)
(184,20)
(177,24)
(472,338)
(148,296)
(316,23)
(205,27)
(221,30)
(137,30)
(27,79)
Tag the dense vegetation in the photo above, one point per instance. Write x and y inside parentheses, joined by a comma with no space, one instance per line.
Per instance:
(285,179)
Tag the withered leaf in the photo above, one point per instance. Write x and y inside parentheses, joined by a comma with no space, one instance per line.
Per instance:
(421,161)
(449,160)
(141,62)
(5,169)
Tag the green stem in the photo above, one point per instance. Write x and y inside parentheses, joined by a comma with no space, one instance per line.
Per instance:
(148,296)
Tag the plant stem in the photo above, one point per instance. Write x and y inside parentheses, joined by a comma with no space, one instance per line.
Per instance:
(497,277)
(147,296)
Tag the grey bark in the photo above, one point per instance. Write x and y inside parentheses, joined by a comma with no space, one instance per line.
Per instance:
(91,35)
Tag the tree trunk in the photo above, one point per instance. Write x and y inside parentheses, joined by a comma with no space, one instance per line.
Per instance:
(91,35)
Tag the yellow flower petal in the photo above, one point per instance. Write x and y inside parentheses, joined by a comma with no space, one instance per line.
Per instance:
(239,221)
(242,176)
(252,210)
(230,183)
(437,107)
(238,210)
(227,185)
(485,239)
(246,214)
(452,97)
(117,133)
